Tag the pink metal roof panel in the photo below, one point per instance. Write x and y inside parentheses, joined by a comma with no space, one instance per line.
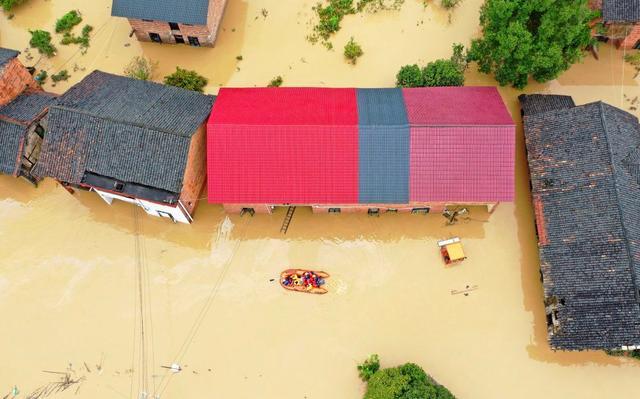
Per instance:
(455,106)
(462,164)
(290,106)
(283,164)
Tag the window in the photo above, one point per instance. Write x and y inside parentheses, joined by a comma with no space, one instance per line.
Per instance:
(118,186)
(250,211)
(179,38)
(637,45)
(155,37)
(373,212)
(173,26)
(40,131)
(194,41)
(148,20)
(334,210)
(420,211)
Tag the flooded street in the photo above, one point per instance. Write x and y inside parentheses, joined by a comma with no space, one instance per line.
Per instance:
(69,285)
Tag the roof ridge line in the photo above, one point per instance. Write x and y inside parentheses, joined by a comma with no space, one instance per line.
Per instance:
(603,120)
(83,112)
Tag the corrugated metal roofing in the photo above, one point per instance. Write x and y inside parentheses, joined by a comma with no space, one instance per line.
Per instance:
(455,106)
(192,12)
(462,164)
(383,147)
(7,55)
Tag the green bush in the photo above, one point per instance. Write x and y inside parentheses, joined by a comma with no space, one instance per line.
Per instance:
(449,4)
(41,40)
(140,68)
(410,76)
(531,38)
(60,76)
(352,51)
(68,21)
(369,367)
(276,82)
(633,354)
(83,40)
(408,381)
(442,73)
(186,79)
(7,5)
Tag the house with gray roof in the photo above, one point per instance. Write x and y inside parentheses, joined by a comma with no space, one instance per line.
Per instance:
(193,22)
(131,140)
(22,108)
(584,163)
(621,20)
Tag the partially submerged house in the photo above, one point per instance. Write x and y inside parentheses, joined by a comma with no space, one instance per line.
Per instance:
(584,163)
(193,22)
(360,150)
(131,140)
(621,21)
(22,107)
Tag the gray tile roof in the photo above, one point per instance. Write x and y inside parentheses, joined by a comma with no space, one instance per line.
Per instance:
(532,104)
(383,136)
(581,161)
(7,55)
(192,12)
(621,10)
(134,131)
(11,136)
(27,106)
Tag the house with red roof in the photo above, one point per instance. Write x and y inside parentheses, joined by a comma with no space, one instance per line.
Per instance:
(360,150)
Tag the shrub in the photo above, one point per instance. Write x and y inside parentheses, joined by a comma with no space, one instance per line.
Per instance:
(60,76)
(41,77)
(41,40)
(408,381)
(7,5)
(186,79)
(449,4)
(352,51)
(140,68)
(537,38)
(83,41)
(410,76)
(369,367)
(442,73)
(276,82)
(634,354)
(68,21)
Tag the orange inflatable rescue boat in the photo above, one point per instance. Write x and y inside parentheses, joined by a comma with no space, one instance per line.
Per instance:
(301,280)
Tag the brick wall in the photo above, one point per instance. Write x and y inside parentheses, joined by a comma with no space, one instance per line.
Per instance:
(632,38)
(206,34)
(14,79)
(196,171)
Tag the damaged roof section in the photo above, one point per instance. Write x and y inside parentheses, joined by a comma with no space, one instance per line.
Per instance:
(15,119)
(129,130)
(583,162)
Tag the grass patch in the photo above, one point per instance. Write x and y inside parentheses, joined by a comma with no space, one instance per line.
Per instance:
(41,40)
(352,51)
(68,21)
(276,82)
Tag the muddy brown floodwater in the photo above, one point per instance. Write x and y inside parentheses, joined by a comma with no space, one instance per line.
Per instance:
(68,281)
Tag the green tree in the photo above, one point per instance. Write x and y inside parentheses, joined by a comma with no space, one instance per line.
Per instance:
(410,76)
(41,40)
(7,5)
(68,21)
(538,38)
(408,381)
(442,73)
(369,367)
(186,79)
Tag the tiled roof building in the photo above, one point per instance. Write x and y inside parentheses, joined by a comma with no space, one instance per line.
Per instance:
(584,164)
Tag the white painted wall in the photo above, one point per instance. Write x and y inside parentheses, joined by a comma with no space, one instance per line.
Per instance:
(176,213)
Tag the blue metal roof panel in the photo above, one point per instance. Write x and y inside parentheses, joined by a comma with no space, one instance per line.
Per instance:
(381,107)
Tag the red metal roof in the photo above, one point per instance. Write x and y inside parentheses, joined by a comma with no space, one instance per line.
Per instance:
(462,164)
(455,106)
(286,145)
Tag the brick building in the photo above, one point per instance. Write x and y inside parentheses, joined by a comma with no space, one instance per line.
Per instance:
(621,19)
(22,107)
(584,163)
(360,150)
(130,140)
(194,22)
